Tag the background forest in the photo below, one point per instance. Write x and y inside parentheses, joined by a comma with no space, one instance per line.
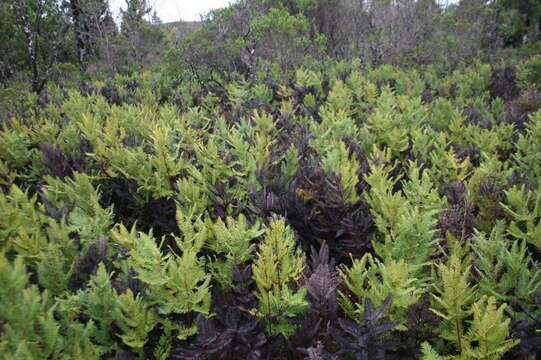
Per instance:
(284,179)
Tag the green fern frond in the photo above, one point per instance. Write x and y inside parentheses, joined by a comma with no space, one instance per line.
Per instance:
(375,280)
(487,336)
(278,265)
(429,353)
(135,320)
(524,208)
(454,295)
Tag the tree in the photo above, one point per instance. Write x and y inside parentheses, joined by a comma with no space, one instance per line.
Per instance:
(140,37)
(133,18)
(92,23)
(41,23)
(12,56)
(520,20)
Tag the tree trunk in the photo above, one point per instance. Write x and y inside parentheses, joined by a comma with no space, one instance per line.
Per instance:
(78,27)
(31,45)
(31,32)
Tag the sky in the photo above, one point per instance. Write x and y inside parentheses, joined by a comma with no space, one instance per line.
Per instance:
(187,10)
(174,10)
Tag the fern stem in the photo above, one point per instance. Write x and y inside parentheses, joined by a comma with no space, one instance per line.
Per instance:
(458,335)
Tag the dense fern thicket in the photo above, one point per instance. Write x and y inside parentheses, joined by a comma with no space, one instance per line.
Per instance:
(333,212)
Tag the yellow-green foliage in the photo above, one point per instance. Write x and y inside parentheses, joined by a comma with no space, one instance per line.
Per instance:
(385,204)
(528,147)
(99,303)
(308,78)
(21,223)
(56,265)
(487,336)
(135,320)
(87,216)
(406,219)
(290,164)
(277,266)
(176,283)
(336,123)
(231,239)
(507,269)
(337,161)
(30,328)
(154,208)
(382,125)
(373,279)
(454,295)
(524,209)
(17,152)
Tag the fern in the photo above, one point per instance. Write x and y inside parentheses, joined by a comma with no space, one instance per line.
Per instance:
(231,239)
(29,326)
(193,197)
(162,351)
(277,266)
(79,345)
(290,164)
(430,354)
(385,204)
(135,320)
(335,125)
(369,278)
(454,295)
(364,92)
(251,157)
(187,288)
(308,79)
(82,340)
(524,209)
(528,149)
(337,161)
(406,220)
(167,162)
(340,98)
(237,94)
(219,176)
(132,211)
(146,258)
(177,284)
(87,217)
(412,239)
(487,336)
(22,223)
(14,279)
(420,189)
(384,126)
(55,269)
(17,151)
(99,303)
(507,270)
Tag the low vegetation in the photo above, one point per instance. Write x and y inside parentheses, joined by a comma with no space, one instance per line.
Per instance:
(250,196)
